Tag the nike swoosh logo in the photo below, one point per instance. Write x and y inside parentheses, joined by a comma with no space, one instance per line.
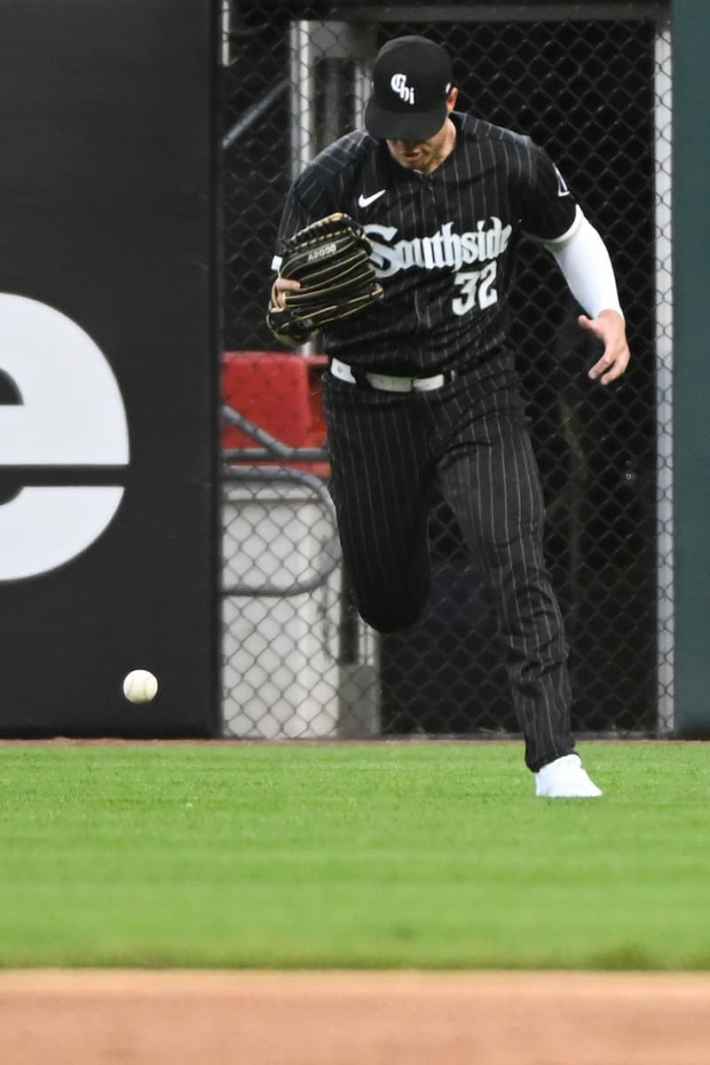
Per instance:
(365,201)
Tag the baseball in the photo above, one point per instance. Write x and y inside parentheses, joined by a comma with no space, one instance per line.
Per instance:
(140,686)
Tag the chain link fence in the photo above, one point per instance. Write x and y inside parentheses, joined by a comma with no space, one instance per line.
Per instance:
(595,91)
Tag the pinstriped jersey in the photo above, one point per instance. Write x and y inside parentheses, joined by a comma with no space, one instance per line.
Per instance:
(442,244)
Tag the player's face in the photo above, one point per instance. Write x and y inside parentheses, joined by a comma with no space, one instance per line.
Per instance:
(419,155)
(428,154)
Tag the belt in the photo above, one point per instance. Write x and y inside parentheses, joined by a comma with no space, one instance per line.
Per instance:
(389,382)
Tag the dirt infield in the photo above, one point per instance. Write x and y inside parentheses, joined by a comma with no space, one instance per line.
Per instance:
(185,1018)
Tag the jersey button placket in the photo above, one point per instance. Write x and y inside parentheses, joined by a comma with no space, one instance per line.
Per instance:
(428,215)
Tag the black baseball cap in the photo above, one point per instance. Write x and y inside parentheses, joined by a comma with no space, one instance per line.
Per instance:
(411,80)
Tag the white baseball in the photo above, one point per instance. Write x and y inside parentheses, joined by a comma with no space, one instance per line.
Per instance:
(140,686)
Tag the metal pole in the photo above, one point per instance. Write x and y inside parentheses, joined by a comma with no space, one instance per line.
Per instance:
(500,12)
(226,28)
(303,110)
(361,92)
(303,125)
(664,382)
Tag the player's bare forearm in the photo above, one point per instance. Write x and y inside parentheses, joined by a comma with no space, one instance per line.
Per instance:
(609,327)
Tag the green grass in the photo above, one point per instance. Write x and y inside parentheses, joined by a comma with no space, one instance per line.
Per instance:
(417,855)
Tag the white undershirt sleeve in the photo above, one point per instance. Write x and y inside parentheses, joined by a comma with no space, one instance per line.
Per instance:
(582,257)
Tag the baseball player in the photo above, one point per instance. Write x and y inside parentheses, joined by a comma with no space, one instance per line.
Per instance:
(421,387)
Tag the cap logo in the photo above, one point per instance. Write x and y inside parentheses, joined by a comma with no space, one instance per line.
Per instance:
(404,91)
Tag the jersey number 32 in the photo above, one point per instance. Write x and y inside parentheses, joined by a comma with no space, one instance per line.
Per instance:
(477,289)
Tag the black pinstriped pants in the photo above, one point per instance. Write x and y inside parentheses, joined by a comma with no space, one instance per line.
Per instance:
(388,451)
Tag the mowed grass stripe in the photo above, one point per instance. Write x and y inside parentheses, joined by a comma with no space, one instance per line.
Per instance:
(431,855)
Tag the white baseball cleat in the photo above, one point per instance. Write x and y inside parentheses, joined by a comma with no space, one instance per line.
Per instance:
(565,778)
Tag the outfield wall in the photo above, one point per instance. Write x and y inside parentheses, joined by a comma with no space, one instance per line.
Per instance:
(107,366)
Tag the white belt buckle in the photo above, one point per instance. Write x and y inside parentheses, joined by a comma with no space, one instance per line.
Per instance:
(342,371)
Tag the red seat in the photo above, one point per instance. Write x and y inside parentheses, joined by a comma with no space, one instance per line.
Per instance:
(279,393)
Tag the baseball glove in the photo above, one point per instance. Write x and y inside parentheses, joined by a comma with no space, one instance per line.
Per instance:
(330,258)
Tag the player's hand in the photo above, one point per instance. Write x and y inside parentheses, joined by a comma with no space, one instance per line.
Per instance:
(609,327)
(280,287)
